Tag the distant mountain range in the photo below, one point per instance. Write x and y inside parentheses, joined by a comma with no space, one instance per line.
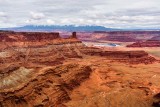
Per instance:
(59,28)
(68,28)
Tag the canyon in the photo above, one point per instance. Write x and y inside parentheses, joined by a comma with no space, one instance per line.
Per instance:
(42,69)
(149,43)
(119,36)
(153,42)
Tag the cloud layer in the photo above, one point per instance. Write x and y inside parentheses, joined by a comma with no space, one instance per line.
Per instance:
(108,13)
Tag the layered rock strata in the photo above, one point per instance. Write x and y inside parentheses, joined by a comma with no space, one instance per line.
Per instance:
(47,87)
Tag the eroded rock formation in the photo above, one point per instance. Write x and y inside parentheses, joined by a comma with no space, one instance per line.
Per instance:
(43,69)
(27,36)
(41,87)
(118,36)
(145,44)
(153,42)
(133,57)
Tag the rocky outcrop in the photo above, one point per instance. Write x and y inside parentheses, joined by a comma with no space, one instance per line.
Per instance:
(41,87)
(27,36)
(33,75)
(153,42)
(149,43)
(33,39)
(44,55)
(134,57)
(74,35)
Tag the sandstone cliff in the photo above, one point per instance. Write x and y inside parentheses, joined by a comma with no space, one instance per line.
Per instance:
(133,57)
(41,87)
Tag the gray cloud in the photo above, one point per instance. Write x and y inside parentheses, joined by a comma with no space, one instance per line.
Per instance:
(37,16)
(109,13)
(3,14)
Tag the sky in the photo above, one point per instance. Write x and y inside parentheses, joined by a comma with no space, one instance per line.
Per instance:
(108,13)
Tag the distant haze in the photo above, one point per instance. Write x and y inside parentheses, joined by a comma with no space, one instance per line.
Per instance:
(126,14)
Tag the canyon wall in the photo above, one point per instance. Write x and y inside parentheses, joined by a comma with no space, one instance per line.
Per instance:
(153,42)
(145,44)
(41,87)
(120,36)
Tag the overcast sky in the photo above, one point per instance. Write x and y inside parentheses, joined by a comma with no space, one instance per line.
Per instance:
(108,13)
